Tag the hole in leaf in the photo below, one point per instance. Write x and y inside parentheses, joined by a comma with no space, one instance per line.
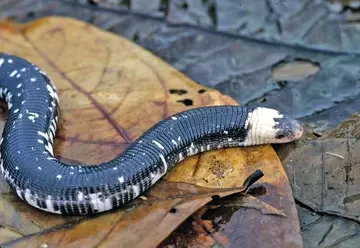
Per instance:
(185,5)
(178,91)
(282,83)
(164,5)
(125,3)
(31,14)
(186,102)
(257,191)
(173,210)
(93,2)
(212,14)
(215,197)
(201,91)
(136,37)
(294,70)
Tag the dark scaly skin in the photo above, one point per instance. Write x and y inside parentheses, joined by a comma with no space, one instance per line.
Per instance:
(44,182)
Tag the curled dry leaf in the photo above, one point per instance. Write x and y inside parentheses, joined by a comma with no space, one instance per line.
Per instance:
(111,91)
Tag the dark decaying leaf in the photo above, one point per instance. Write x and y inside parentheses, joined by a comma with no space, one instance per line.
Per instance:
(321,230)
(324,176)
(111,91)
(325,24)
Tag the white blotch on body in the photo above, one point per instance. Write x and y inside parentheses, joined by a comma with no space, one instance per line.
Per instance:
(181,157)
(260,126)
(13,73)
(80,196)
(43,135)
(52,92)
(30,198)
(158,144)
(50,205)
(100,204)
(164,162)
(136,190)
(32,116)
(155,177)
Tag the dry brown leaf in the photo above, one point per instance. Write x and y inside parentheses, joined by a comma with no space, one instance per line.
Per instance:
(111,91)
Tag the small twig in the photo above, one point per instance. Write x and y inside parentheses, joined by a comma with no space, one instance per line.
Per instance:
(37,224)
(335,155)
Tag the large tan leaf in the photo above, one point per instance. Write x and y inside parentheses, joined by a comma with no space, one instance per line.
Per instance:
(111,91)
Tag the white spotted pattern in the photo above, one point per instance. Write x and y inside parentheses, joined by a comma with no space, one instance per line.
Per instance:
(121,179)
